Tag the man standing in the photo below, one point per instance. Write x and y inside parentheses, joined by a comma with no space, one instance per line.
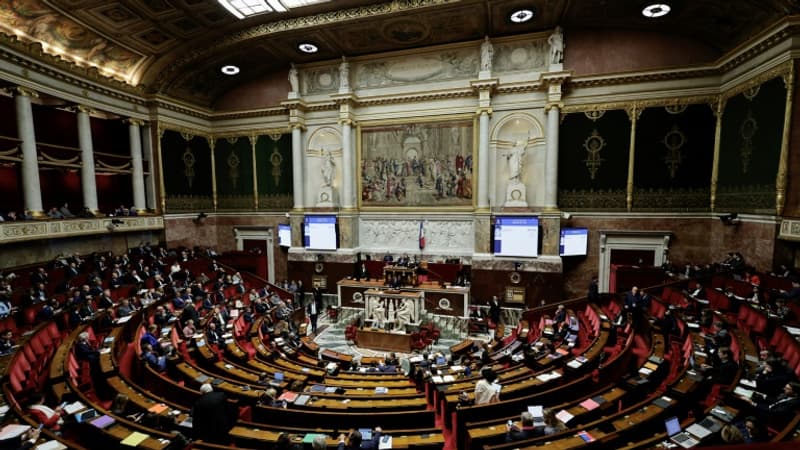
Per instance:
(312,309)
(212,416)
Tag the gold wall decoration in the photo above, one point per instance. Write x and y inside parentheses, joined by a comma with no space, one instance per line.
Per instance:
(593,145)
(676,108)
(674,140)
(751,93)
(189,161)
(747,130)
(594,115)
(276,159)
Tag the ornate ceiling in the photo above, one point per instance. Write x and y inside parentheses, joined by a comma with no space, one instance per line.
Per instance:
(176,47)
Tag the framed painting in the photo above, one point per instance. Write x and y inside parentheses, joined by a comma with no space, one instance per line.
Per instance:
(417,165)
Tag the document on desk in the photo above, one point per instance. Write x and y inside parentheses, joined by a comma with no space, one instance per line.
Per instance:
(564,416)
(746,393)
(134,439)
(537,411)
(589,404)
(51,445)
(74,407)
(385,443)
(748,383)
(574,364)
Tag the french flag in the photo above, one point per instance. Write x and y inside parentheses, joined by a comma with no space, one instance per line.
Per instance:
(421,235)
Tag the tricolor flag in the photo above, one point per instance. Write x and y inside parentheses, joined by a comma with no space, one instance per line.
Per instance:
(421,235)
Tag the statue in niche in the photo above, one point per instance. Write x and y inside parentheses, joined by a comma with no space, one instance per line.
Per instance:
(344,75)
(294,78)
(327,168)
(487,51)
(516,159)
(377,311)
(556,42)
(404,314)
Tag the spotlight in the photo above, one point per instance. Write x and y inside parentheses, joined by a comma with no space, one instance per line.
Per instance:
(230,70)
(200,218)
(730,219)
(521,15)
(656,10)
(307,47)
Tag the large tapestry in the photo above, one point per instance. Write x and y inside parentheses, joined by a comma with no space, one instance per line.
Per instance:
(417,165)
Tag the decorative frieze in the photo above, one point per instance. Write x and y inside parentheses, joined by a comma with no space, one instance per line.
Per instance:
(34,230)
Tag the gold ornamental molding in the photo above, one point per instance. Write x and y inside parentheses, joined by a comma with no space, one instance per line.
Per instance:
(784,70)
(641,104)
(417,97)
(39,230)
(187,133)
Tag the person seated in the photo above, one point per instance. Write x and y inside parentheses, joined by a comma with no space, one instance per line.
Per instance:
(270,398)
(560,316)
(284,442)
(162,316)
(724,368)
(752,430)
(189,330)
(125,308)
(698,293)
(786,403)
(354,441)
(49,417)
(525,430)
(150,357)
(7,343)
(391,360)
(772,377)
(551,424)
(214,335)
(151,337)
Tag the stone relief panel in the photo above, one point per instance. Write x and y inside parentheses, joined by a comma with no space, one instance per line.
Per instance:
(402,235)
(449,65)
(322,80)
(528,56)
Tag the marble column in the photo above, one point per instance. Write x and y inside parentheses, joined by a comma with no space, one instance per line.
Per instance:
(297,166)
(30,164)
(147,155)
(483,160)
(347,162)
(551,158)
(137,171)
(88,181)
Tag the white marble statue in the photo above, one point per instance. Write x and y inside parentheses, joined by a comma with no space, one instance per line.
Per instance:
(344,75)
(487,51)
(404,315)
(516,159)
(294,79)
(327,168)
(556,42)
(378,312)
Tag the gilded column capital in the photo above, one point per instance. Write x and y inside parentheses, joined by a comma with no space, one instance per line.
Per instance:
(718,107)
(134,121)
(487,110)
(298,125)
(350,122)
(26,92)
(550,105)
(634,112)
(85,109)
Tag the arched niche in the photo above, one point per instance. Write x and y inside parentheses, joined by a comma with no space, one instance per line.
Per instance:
(510,131)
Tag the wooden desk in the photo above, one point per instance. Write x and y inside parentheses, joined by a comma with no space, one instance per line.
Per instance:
(381,340)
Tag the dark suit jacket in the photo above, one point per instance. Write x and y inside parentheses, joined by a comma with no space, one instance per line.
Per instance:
(371,444)
(525,433)
(212,418)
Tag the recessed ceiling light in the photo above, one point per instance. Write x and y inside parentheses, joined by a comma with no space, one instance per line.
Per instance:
(521,15)
(307,47)
(230,70)
(656,10)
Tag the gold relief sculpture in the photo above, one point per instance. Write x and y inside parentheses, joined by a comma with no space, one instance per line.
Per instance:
(594,115)
(188,166)
(676,108)
(751,93)
(593,145)
(276,159)
(747,130)
(233,168)
(674,140)
(186,136)
(753,197)
(590,199)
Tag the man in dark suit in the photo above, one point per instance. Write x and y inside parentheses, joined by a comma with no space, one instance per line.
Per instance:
(525,431)
(725,369)
(312,309)
(212,416)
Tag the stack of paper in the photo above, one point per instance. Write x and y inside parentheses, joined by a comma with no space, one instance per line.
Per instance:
(134,439)
(589,404)
(564,416)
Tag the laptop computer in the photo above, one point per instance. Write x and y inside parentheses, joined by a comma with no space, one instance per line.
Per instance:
(85,416)
(277,379)
(722,414)
(677,436)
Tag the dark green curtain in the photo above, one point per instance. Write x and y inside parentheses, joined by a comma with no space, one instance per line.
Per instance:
(752,131)
(274,167)
(593,160)
(234,171)
(187,172)
(674,158)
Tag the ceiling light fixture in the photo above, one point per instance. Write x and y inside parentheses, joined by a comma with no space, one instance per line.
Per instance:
(230,70)
(656,10)
(307,47)
(521,15)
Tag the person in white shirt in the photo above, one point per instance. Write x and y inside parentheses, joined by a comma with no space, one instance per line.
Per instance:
(485,392)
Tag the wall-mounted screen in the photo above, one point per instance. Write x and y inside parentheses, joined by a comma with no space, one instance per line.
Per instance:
(516,236)
(573,242)
(284,235)
(319,232)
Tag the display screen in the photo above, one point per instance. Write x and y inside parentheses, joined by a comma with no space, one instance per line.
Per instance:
(284,235)
(573,242)
(320,232)
(516,236)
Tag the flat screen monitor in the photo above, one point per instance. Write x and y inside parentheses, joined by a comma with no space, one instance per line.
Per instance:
(573,242)
(320,232)
(284,235)
(516,236)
